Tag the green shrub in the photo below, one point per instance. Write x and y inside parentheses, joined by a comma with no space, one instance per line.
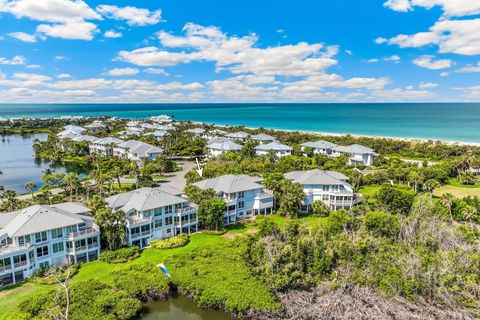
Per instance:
(382,224)
(144,281)
(215,233)
(170,243)
(319,209)
(48,276)
(121,255)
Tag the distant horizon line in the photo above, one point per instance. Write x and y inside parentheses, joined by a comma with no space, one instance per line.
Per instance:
(227,103)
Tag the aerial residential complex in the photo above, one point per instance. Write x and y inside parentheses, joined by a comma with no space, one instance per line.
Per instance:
(330,187)
(45,235)
(154,213)
(244,195)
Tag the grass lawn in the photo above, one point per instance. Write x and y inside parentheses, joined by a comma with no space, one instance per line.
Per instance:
(459,192)
(455,182)
(372,190)
(207,264)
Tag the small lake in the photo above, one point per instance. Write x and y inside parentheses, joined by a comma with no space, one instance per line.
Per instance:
(180,308)
(19,165)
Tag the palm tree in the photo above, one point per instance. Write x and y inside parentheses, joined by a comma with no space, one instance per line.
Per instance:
(447,201)
(9,197)
(468,213)
(70,183)
(415,177)
(431,185)
(29,186)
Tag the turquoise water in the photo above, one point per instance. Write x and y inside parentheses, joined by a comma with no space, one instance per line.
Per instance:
(448,121)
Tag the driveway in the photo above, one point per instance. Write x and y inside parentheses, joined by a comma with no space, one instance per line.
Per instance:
(177,179)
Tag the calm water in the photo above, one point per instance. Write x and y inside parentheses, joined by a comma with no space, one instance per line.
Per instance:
(19,165)
(181,308)
(448,121)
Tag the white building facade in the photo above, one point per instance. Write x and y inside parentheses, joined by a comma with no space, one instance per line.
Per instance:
(136,150)
(330,187)
(42,236)
(154,214)
(357,154)
(104,146)
(245,197)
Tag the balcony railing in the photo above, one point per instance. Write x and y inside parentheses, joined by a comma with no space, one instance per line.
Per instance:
(5,268)
(188,209)
(20,264)
(82,233)
(11,248)
(134,220)
(264,195)
(140,234)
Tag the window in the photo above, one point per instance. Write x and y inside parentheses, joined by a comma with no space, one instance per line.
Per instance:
(92,242)
(42,251)
(41,237)
(158,224)
(241,194)
(168,210)
(241,204)
(157,212)
(58,247)
(71,229)
(168,221)
(80,245)
(325,197)
(23,240)
(193,216)
(44,265)
(57,233)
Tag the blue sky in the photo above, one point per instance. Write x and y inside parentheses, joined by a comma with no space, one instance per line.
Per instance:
(239,51)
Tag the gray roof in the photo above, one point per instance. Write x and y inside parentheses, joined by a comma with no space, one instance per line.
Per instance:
(84,138)
(108,140)
(262,137)
(139,147)
(230,183)
(166,127)
(319,144)
(40,218)
(72,127)
(237,135)
(68,134)
(196,131)
(218,140)
(275,146)
(317,177)
(226,145)
(354,149)
(218,132)
(144,199)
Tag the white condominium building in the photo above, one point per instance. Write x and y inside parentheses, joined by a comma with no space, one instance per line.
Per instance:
(330,187)
(154,213)
(41,236)
(244,195)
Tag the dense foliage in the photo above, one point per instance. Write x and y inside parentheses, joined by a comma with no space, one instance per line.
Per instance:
(170,243)
(121,255)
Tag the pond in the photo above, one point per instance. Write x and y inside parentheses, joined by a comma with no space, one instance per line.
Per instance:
(180,308)
(19,165)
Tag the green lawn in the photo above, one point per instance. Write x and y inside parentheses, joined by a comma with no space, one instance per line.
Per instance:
(247,289)
(455,182)
(459,192)
(372,190)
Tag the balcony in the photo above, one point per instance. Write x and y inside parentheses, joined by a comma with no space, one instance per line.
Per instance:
(5,268)
(135,220)
(264,195)
(187,209)
(12,248)
(83,233)
(20,264)
(140,234)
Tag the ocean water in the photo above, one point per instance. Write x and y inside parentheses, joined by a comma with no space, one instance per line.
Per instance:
(443,121)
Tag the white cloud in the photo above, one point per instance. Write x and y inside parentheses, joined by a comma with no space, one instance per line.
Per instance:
(118,72)
(112,34)
(94,83)
(395,58)
(156,71)
(444,74)
(31,77)
(471,93)
(470,68)
(375,60)
(235,54)
(72,30)
(16,60)
(428,85)
(25,37)
(64,76)
(61,58)
(428,62)
(349,52)
(134,16)
(380,40)
(33,66)
(402,94)
(450,7)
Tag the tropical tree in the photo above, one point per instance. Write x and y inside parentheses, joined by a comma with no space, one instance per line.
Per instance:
(447,201)
(319,209)
(70,183)
(210,213)
(469,212)
(112,226)
(96,203)
(431,185)
(291,197)
(415,177)
(29,187)
(9,199)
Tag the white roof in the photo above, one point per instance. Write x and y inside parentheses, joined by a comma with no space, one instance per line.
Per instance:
(218,140)
(226,145)
(319,144)
(275,146)
(40,218)
(218,132)
(141,148)
(354,149)
(230,183)
(84,138)
(317,177)
(72,127)
(144,199)
(262,137)
(237,135)
(108,140)
(196,131)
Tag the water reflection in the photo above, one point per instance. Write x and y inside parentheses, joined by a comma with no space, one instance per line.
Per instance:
(19,165)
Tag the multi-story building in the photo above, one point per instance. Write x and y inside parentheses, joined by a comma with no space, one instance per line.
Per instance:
(245,197)
(322,147)
(280,150)
(330,187)
(357,154)
(262,138)
(154,213)
(222,145)
(136,150)
(104,146)
(237,136)
(41,236)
